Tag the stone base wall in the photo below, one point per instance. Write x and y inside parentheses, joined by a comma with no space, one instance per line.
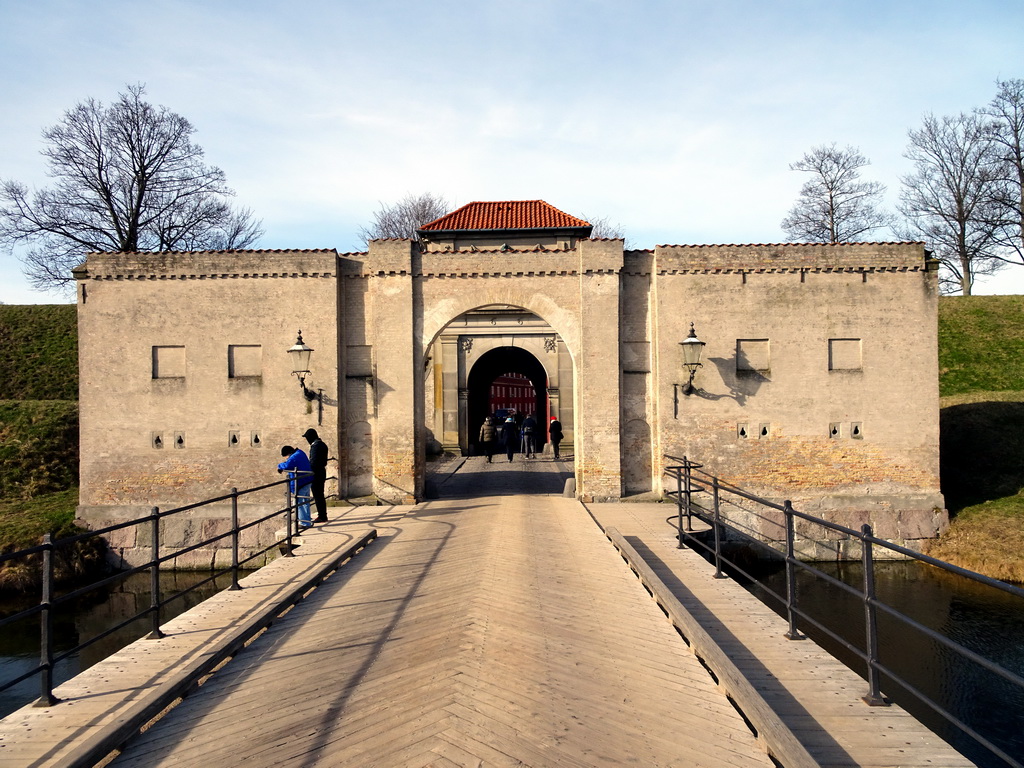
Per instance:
(898,521)
(131,546)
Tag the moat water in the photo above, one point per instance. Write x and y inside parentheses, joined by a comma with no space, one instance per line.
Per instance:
(983,619)
(19,643)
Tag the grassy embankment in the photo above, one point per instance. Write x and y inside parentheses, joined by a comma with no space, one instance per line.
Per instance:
(981,361)
(38,423)
(981,381)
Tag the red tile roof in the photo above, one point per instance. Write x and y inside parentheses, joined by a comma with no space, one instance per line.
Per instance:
(508,214)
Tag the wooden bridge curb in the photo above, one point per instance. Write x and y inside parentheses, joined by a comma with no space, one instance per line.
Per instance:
(76,732)
(778,739)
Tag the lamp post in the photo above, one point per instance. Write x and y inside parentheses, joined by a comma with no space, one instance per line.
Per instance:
(692,349)
(300,355)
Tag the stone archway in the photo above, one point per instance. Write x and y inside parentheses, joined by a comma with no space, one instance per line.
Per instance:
(481,344)
(497,362)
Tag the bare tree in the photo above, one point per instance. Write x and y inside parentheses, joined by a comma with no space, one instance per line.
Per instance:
(949,198)
(127,177)
(1006,113)
(835,206)
(403,218)
(603,228)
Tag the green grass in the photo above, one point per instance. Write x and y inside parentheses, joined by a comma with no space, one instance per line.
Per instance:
(39,352)
(981,380)
(38,447)
(987,538)
(981,344)
(24,521)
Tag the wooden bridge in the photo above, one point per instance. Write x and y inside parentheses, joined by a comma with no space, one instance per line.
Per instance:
(496,625)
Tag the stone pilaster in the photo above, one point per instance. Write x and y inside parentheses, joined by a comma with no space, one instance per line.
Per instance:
(398,383)
(598,454)
(450,392)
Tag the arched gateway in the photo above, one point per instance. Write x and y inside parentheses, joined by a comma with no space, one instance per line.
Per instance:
(819,378)
(496,359)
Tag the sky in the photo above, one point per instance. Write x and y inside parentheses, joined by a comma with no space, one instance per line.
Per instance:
(674,120)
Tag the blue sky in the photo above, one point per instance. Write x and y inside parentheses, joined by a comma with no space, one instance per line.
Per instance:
(675,120)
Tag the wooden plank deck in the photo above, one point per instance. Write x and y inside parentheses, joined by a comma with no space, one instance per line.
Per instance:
(480,631)
(113,698)
(817,696)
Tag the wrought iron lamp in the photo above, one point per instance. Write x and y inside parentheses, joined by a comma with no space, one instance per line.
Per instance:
(692,349)
(300,354)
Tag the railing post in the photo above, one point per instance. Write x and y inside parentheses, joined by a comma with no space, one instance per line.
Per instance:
(689,491)
(154,576)
(793,633)
(718,529)
(234,539)
(679,506)
(288,520)
(46,697)
(874,696)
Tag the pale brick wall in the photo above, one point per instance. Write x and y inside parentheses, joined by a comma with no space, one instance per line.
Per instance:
(778,310)
(204,302)
(881,296)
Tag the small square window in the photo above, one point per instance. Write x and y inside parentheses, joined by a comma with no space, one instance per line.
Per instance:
(845,355)
(245,361)
(169,362)
(752,355)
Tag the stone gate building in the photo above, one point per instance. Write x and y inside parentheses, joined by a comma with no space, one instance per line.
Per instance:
(819,382)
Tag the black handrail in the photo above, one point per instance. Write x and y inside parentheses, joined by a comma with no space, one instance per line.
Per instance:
(48,658)
(690,479)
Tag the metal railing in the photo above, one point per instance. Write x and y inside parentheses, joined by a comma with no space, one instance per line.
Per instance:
(50,602)
(699,494)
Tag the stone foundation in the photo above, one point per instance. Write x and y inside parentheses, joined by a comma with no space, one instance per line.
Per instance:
(131,546)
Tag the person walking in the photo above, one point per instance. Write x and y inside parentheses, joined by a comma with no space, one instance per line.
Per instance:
(529,430)
(296,462)
(511,435)
(487,435)
(318,465)
(555,433)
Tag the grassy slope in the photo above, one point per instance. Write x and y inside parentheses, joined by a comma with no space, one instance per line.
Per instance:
(23,522)
(981,364)
(39,352)
(38,422)
(38,447)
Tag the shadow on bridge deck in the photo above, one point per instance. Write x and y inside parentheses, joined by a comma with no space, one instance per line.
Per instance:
(474,476)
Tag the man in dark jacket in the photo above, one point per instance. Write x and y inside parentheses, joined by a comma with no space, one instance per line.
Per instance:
(555,433)
(318,464)
(529,437)
(510,434)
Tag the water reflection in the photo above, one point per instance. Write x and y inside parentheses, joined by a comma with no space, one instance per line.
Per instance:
(985,620)
(85,619)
